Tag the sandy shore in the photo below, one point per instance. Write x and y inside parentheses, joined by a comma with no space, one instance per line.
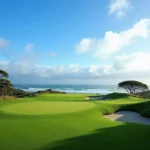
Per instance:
(128,116)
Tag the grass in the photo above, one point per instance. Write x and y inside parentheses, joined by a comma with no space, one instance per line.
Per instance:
(39,108)
(61,97)
(74,130)
(2,98)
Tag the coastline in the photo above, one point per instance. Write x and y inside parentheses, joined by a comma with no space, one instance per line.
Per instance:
(71,89)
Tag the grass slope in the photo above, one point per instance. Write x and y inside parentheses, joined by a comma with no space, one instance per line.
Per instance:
(85,129)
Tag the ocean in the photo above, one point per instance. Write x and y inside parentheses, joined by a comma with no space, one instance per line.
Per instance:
(71,88)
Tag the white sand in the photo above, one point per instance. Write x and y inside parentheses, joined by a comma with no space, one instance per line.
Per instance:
(128,116)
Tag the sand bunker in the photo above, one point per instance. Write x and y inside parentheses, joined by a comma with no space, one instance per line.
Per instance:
(128,116)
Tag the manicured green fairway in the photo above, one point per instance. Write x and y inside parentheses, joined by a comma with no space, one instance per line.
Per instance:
(76,124)
(39,108)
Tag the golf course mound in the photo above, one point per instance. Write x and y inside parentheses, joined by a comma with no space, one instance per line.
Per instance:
(41,108)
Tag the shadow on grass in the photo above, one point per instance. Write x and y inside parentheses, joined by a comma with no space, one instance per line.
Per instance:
(124,137)
(142,108)
(116,96)
(111,96)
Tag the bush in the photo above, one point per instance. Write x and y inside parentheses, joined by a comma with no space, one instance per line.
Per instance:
(21,93)
(49,91)
(144,94)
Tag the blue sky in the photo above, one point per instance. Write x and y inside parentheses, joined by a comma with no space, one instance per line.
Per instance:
(74,41)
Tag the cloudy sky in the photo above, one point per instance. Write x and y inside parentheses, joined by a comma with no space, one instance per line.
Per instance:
(75,41)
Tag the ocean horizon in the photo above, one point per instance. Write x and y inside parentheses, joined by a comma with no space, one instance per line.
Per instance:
(70,88)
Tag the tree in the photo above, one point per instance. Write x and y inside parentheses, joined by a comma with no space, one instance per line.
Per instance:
(3,74)
(132,86)
(6,87)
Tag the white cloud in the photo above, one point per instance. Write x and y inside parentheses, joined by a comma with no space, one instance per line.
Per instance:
(135,66)
(114,42)
(29,47)
(25,68)
(85,45)
(119,7)
(133,62)
(4,43)
(29,72)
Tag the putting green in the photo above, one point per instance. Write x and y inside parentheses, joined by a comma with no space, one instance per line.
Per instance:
(39,108)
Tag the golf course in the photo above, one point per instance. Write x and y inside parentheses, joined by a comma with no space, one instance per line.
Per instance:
(71,122)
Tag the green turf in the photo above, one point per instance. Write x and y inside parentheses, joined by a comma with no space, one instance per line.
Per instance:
(79,130)
(61,97)
(39,108)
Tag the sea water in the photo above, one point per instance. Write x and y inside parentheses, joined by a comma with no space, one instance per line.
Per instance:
(70,88)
